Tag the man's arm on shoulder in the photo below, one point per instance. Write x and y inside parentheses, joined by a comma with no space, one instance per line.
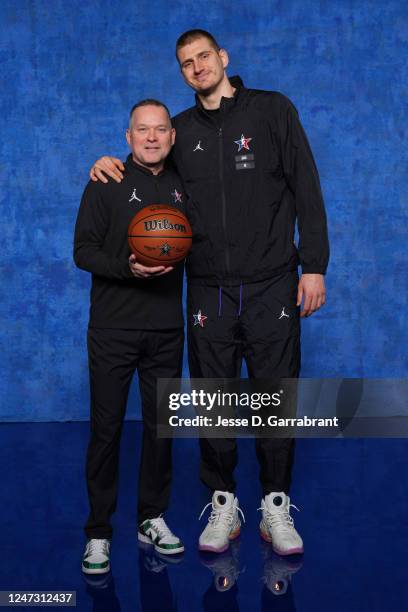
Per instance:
(107,166)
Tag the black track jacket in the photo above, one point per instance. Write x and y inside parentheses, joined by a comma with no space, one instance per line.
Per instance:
(249,174)
(118,299)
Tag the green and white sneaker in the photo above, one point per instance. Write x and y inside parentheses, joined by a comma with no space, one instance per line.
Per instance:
(96,557)
(155,531)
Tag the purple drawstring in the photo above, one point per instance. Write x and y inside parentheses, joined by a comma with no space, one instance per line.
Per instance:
(219,301)
(240,300)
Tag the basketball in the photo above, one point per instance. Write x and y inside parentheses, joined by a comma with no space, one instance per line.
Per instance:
(159,235)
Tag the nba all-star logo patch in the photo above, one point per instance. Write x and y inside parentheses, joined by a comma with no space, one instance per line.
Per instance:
(178,197)
(199,319)
(243,143)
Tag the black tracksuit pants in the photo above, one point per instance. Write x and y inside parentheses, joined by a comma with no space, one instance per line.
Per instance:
(258,322)
(114,355)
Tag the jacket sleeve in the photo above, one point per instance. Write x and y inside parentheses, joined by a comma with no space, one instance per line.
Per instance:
(90,230)
(303,180)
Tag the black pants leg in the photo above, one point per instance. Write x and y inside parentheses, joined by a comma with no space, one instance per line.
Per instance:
(111,368)
(163,358)
(214,351)
(114,356)
(270,344)
(272,351)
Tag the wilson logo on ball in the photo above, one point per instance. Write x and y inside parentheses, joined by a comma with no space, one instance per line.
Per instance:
(154,225)
(159,234)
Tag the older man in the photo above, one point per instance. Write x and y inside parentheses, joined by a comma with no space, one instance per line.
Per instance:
(136,322)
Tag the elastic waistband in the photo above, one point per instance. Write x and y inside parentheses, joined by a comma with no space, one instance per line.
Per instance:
(212,281)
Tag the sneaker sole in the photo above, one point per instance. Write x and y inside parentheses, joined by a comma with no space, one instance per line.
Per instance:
(291,551)
(103,570)
(147,540)
(207,548)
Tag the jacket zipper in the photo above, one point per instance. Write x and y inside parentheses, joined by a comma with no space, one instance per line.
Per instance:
(223,201)
(156,184)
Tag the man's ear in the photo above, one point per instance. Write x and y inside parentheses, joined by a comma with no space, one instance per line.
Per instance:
(224,57)
(128,136)
(173,136)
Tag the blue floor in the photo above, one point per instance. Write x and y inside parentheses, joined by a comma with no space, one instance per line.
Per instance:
(353,501)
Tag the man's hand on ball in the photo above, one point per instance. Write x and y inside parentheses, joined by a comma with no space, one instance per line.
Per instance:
(140,271)
(312,291)
(111,166)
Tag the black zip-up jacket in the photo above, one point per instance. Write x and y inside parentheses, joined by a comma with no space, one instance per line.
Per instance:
(118,299)
(250,173)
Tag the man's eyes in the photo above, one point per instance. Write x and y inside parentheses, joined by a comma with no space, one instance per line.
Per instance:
(190,63)
(142,130)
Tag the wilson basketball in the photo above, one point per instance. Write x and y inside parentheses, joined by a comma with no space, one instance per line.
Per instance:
(159,235)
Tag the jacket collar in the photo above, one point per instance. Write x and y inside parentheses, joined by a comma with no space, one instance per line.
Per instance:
(226,103)
(132,166)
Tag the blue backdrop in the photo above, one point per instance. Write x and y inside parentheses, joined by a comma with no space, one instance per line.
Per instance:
(70,73)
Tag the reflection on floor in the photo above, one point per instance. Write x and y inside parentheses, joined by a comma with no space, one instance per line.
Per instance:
(353,497)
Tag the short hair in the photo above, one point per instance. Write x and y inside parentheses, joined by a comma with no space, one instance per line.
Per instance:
(147,102)
(192,35)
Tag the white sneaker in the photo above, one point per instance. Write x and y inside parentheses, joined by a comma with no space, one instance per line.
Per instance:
(223,524)
(155,531)
(277,525)
(96,556)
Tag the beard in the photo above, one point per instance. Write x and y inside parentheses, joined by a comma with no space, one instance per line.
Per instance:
(207,90)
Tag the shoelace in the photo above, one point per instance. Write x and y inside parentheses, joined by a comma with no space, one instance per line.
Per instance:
(279,518)
(221,515)
(160,525)
(98,546)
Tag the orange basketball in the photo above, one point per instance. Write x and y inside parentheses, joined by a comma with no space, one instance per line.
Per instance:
(159,235)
